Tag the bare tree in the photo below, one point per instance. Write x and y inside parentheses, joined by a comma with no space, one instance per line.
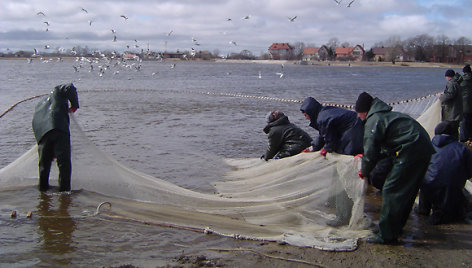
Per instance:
(460,45)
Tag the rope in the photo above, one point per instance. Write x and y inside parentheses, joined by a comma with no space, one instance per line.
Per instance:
(236,95)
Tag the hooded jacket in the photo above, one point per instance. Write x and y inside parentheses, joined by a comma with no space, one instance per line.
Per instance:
(340,130)
(53,111)
(394,134)
(466,86)
(451,100)
(285,138)
(450,166)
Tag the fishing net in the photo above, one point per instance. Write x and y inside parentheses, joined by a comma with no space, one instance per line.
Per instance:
(285,200)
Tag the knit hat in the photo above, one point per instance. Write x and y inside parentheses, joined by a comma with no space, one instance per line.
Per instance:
(363,103)
(445,127)
(450,73)
(466,69)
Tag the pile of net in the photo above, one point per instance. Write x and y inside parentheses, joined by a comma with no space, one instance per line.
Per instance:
(284,200)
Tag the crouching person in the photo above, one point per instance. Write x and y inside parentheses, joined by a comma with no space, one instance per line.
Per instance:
(285,139)
(448,171)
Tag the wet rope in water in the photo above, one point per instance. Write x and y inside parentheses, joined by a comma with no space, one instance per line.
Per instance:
(236,95)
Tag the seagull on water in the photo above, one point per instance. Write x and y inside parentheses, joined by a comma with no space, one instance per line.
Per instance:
(280,75)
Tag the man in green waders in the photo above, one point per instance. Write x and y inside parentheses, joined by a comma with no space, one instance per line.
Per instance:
(51,130)
(404,139)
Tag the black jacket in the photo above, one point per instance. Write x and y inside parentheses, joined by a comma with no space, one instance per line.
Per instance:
(285,138)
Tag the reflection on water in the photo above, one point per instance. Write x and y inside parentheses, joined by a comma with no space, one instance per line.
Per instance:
(56,226)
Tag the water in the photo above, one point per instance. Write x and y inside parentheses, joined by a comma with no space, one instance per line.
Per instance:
(163,125)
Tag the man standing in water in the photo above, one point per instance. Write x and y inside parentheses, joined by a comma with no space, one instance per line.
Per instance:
(404,139)
(51,130)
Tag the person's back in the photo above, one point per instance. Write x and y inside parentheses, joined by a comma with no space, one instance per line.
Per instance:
(285,139)
(339,129)
(466,87)
(451,99)
(448,171)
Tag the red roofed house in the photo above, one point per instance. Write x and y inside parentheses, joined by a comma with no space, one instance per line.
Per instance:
(281,51)
(315,53)
(350,53)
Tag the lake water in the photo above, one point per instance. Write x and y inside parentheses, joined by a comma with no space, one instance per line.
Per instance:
(174,123)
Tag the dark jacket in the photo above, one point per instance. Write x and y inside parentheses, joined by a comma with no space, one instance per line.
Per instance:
(451,100)
(450,166)
(53,111)
(466,86)
(340,130)
(285,138)
(394,134)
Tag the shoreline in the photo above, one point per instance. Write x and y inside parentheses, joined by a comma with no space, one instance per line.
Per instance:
(297,62)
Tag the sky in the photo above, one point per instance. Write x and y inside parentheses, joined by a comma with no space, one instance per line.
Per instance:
(223,26)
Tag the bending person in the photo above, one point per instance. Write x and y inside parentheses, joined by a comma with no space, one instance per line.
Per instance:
(51,130)
(404,139)
(285,138)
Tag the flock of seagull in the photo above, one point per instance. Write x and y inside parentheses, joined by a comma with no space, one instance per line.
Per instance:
(102,62)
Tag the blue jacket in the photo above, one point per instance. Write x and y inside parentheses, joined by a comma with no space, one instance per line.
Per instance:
(340,130)
(450,166)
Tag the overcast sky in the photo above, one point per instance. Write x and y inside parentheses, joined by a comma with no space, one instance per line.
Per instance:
(204,24)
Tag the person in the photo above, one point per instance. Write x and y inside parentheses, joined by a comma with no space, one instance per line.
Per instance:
(340,131)
(285,138)
(403,138)
(451,99)
(51,130)
(448,171)
(466,123)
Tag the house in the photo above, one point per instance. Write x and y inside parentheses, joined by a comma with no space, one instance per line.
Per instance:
(281,51)
(380,53)
(315,53)
(390,54)
(350,53)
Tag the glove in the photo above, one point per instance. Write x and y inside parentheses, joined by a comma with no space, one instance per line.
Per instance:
(323,152)
(360,174)
(72,109)
(358,155)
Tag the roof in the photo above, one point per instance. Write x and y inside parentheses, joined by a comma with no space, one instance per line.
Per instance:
(379,50)
(310,50)
(280,46)
(344,50)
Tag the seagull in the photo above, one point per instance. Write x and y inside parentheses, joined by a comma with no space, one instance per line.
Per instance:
(260,75)
(292,19)
(124,17)
(84,10)
(171,31)
(47,23)
(90,22)
(349,5)
(172,66)
(35,52)
(113,31)
(245,17)
(280,75)
(233,43)
(40,13)
(75,69)
(338,2)
(46,46)
(114,38)
(228,19)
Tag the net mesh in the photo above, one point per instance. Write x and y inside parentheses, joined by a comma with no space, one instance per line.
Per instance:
(279,200)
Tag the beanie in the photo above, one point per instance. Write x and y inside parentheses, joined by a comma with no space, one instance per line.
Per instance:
(445,127)
(466,69)
(450,73)
(363,103)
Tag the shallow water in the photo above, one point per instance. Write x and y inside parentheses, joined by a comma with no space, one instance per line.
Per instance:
(167,126)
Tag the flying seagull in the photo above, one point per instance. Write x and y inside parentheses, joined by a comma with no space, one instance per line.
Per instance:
(338,2)
(349,5)
(292,19)
(233,42)
(84,10)
(171,31)
(245,17)
(124,17)
(228,19)
(47,23)
(41,13)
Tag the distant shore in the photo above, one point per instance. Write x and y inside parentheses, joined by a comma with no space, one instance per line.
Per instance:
(316,63)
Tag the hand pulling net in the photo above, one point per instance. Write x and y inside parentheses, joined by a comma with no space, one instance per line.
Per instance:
(281,200)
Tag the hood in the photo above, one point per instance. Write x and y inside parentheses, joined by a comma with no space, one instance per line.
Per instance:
(311,107)
(443,140)
(283,120)
(378,106)
(467,76)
